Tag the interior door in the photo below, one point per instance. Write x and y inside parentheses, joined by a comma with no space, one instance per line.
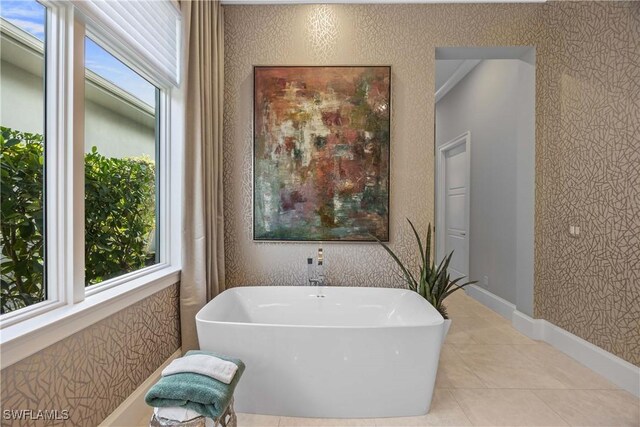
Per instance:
(455,218)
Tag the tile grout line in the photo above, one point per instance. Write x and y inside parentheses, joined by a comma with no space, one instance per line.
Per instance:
(522,389)
(468,369)
(552,410)
(462,407)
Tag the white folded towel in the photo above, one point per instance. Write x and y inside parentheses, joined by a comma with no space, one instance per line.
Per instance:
(203,364)
(176,413)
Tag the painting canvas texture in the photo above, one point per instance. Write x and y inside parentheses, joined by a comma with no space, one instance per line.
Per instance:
(321,153)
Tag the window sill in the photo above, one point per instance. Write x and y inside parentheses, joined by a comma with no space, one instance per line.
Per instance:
(25,338)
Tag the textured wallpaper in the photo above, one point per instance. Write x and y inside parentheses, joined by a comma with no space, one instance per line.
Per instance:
(91,372)
(590,167)
(587,149)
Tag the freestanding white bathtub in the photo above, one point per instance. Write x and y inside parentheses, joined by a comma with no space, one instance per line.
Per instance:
(353,353)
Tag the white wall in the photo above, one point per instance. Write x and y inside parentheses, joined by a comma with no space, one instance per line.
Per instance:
(117,128)
(495,102)
(525,195)
(116,135)
(21,99)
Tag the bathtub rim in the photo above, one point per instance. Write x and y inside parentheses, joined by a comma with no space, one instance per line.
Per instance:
(438,321)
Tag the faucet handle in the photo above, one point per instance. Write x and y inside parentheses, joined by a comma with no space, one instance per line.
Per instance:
(310,270)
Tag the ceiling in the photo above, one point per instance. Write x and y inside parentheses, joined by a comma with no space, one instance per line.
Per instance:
(445,69)
(454,63)
(491,52)
(449,72)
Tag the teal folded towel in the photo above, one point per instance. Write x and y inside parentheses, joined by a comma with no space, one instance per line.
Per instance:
(203,394)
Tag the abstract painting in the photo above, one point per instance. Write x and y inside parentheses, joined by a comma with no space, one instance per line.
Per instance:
(321,153)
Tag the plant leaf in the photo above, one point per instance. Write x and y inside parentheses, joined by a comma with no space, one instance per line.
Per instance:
(411,281)
(427,249)
(458,287)
(415,233)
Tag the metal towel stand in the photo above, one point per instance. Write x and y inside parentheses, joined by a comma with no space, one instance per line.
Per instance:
(227,419)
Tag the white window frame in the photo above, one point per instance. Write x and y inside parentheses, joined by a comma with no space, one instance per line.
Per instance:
(55,42)
(163,109)
(70,306)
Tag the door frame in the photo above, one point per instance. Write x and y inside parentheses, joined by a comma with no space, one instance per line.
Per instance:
(441,151)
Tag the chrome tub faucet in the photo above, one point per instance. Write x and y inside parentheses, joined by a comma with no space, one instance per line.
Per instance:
(316,278)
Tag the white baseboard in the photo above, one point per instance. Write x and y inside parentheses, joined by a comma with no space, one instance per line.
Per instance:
(131,411)
(533,328)
(620,372)
(501,306)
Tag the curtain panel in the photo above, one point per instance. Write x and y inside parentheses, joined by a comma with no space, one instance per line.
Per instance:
(203,227)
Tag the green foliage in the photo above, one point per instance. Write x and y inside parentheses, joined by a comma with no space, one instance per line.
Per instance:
(119,215)
(21,219)
(433,282)
(119,223)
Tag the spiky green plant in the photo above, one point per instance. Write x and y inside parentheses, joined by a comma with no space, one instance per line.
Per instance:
(433,283)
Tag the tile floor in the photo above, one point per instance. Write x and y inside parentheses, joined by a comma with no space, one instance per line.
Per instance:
(491,375)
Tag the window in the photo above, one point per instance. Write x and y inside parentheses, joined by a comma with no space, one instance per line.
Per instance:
(90,182)
(22,102)
(90,149)
(121,168)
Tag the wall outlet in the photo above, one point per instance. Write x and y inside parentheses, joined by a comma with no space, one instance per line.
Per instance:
(485,281)
(574,230)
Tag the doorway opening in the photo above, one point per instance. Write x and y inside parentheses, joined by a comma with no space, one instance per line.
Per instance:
(485,170)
